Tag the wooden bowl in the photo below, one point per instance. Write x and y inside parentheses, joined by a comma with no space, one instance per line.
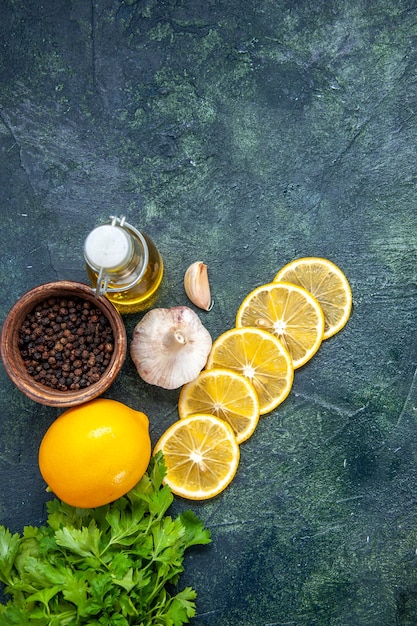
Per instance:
(13,360)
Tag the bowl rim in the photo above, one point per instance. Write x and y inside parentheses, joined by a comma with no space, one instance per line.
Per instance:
(13,362)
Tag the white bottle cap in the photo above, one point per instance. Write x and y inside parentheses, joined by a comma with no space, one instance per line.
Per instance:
(108,247)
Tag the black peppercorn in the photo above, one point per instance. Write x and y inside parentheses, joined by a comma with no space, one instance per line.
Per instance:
(66,343)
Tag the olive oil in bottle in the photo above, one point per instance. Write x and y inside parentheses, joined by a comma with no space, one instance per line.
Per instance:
(123,264)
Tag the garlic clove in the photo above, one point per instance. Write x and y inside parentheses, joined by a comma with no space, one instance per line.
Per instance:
(170,347)
(196,285)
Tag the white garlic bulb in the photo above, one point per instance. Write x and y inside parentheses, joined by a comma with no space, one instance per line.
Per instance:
(170,347)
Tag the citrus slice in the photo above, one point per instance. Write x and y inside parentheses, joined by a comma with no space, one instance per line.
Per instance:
(328,285)
(201,456)
(225,394)
(288,311)
(261,357)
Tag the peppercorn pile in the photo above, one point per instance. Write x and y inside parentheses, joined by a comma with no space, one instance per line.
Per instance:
(66,343)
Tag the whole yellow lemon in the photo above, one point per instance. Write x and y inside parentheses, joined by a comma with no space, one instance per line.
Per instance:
(95,453)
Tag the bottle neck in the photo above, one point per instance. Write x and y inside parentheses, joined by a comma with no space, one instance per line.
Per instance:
(119,256)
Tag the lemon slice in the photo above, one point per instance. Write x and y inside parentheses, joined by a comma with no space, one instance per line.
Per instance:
(201,456)
(225,394)
(261,357)
(288,311)
(329,286)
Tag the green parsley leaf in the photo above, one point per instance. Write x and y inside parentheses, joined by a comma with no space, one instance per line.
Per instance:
(182,606)
(116,565)
(9,547)
(84,541)
(195,533)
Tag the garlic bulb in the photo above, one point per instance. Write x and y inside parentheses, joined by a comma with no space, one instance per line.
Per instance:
(197,286)
(170,347)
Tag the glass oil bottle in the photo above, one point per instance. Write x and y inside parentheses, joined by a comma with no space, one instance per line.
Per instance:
(123,264)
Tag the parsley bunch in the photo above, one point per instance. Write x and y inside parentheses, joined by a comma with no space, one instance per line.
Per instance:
(116,565)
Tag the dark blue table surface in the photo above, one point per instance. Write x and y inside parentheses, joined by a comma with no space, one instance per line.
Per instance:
(243,134)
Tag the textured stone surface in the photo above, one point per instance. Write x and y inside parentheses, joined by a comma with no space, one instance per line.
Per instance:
(243,134)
